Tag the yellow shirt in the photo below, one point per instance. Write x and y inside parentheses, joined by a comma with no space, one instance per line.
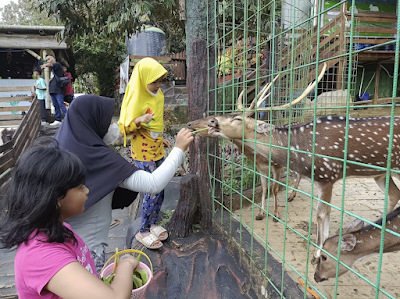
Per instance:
(143,146)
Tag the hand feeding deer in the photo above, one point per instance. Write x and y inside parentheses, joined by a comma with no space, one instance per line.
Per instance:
(261,161)
(357,242)
(367,144)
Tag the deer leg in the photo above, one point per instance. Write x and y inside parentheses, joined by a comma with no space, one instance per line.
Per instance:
(323,216)
(394,192)
(275,187)
(264,187)
(296,186)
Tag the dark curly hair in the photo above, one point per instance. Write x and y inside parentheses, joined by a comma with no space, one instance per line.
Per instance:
(29,201)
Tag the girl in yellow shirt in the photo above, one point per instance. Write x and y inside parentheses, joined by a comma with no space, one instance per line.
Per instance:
(141,121)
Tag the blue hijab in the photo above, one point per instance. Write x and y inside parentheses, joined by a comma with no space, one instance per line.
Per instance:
(81,133)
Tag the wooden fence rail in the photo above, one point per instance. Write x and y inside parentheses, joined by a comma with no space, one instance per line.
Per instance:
(26,133)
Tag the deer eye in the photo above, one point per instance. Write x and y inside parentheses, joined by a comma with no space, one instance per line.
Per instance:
(237,119)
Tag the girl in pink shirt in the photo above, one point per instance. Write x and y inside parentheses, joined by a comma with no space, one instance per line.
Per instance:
(47,187)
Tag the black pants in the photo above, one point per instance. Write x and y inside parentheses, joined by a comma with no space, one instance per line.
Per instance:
(68,98)
(42,106)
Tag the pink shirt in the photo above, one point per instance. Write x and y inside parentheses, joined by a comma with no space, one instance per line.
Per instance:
(37,262)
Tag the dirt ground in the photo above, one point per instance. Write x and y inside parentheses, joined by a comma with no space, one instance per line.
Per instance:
(363,198)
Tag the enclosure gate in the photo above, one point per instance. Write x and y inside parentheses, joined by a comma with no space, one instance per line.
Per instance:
(255,40)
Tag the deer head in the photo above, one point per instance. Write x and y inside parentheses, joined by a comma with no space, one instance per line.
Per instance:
(231,125)
(357,243)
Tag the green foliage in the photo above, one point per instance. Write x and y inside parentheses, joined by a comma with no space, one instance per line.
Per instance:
(98,59)
(23,12)
(111,20)
(86,83)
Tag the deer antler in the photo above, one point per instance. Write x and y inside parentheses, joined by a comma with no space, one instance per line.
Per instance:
(261,94)
(302,96)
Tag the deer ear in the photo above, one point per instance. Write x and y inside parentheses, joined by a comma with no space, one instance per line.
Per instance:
(354,226)
(348,242)
(263,127)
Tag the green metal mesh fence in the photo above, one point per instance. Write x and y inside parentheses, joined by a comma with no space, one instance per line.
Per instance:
(255,40)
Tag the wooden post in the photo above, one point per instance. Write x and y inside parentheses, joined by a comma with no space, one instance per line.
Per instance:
(195,188)
(377,73)
(342,39)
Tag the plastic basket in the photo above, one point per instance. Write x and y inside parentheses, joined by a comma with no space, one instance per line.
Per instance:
(136,293)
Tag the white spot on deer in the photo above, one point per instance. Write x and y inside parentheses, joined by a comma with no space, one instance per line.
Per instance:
(340,139)
(323,148)
(335,147)
(341,132)
(371,237)
(362,134)
(301,129)
(350,136)
(363,125)
(302,159)
(378,143)
(351,156)
(321,176)
(384,138)
(375,133)
(332,177)
(395,227)
(341,117)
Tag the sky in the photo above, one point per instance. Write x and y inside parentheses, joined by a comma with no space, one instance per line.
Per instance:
(4,2)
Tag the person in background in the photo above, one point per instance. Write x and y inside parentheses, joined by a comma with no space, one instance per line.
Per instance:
(142,121)
(68,90)
(55,89)
(40,90)
(52,261)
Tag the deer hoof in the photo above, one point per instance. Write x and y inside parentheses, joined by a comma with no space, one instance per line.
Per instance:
(275,219)
(260,216)
(290,198)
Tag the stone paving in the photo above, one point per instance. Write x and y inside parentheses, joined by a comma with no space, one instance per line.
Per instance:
(363,198)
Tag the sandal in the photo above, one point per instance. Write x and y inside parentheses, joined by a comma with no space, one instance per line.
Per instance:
(157,231)
(148,241)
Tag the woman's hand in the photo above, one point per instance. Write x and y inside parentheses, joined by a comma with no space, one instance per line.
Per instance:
(144,119)
(183,139)
(166,143)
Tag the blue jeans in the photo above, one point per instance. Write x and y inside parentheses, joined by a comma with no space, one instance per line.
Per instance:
(59,105)
(151,202)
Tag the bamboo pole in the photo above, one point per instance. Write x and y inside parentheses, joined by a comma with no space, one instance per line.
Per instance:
(47,79)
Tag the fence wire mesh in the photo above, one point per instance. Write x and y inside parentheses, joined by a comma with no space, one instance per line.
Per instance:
(322,153)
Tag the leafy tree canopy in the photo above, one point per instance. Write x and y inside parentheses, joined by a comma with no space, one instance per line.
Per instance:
(111,20)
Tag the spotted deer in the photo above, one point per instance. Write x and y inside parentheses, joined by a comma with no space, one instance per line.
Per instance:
(357,242)
(262,165)
(317,151)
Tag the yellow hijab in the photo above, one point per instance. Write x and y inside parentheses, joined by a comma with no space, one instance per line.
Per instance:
(138,101)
